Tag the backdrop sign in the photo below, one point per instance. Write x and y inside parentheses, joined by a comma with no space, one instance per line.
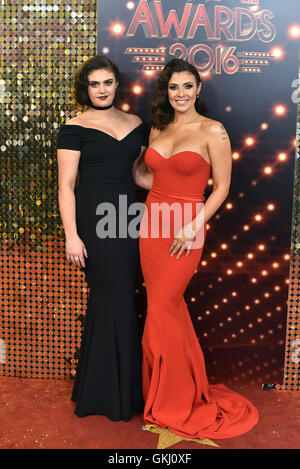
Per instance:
(247,54)
(216,36)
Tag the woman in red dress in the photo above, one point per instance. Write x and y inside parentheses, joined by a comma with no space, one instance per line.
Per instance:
(185,147)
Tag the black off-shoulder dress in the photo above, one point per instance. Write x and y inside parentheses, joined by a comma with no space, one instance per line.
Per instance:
(108,375)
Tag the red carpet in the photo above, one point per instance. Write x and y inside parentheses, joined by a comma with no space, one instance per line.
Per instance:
(37,414)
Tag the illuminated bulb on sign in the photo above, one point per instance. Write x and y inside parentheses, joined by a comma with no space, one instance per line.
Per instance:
(213,254)
(280,110)
(117,28)
(294,31)
(258,217)
(137,89)
(268,169)
(125,107)
(250,255)
(206,75)
(261,247)
(229,206)
(239,264)
(149,72)
(264,126)
(229,271)
(224,246)
(275,265)
(270,206)
(209,182)
(130,5)
(282,156)
(235,155)
(264,272)
(249,141)
(246,227)
(277,52)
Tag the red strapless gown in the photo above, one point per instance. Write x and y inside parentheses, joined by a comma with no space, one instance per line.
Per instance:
(175,386)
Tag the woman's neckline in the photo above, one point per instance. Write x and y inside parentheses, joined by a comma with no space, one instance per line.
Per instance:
(105,133)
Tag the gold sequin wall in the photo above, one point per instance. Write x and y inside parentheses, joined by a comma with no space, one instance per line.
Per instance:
(42,43)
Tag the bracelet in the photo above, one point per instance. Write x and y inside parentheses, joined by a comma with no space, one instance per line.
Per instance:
(190,231)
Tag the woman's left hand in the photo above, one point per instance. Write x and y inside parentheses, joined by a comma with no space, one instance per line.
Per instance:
(181,243)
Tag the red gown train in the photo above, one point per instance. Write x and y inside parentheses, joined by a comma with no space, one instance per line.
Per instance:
(176,391)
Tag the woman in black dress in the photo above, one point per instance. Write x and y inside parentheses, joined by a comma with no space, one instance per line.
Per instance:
(103,143)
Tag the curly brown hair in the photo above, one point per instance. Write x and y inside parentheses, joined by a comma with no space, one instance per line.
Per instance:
(80,83)
(162,113)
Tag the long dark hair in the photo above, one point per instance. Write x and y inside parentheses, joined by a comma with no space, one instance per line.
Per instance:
(80,84)
(162,112)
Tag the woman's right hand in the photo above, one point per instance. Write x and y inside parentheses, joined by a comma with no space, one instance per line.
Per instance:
(76,251)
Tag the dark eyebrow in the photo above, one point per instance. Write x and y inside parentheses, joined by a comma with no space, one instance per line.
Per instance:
(95,81)
(187,83)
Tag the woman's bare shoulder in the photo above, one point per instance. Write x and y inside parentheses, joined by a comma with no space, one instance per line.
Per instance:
(77,120)
(212,127)
(209,124)
(153,133)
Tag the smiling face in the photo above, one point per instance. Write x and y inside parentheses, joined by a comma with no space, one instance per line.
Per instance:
(102,85)
(182,91)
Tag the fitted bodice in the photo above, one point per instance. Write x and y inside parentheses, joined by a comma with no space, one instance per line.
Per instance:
(183,175)
(103,158)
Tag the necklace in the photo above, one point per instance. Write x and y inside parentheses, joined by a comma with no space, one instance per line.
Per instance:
(100,108)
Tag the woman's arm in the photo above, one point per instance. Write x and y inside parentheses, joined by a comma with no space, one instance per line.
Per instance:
(219,149)
(67,170)
(142,175)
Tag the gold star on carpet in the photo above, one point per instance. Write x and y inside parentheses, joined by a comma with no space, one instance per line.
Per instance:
(168,438)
